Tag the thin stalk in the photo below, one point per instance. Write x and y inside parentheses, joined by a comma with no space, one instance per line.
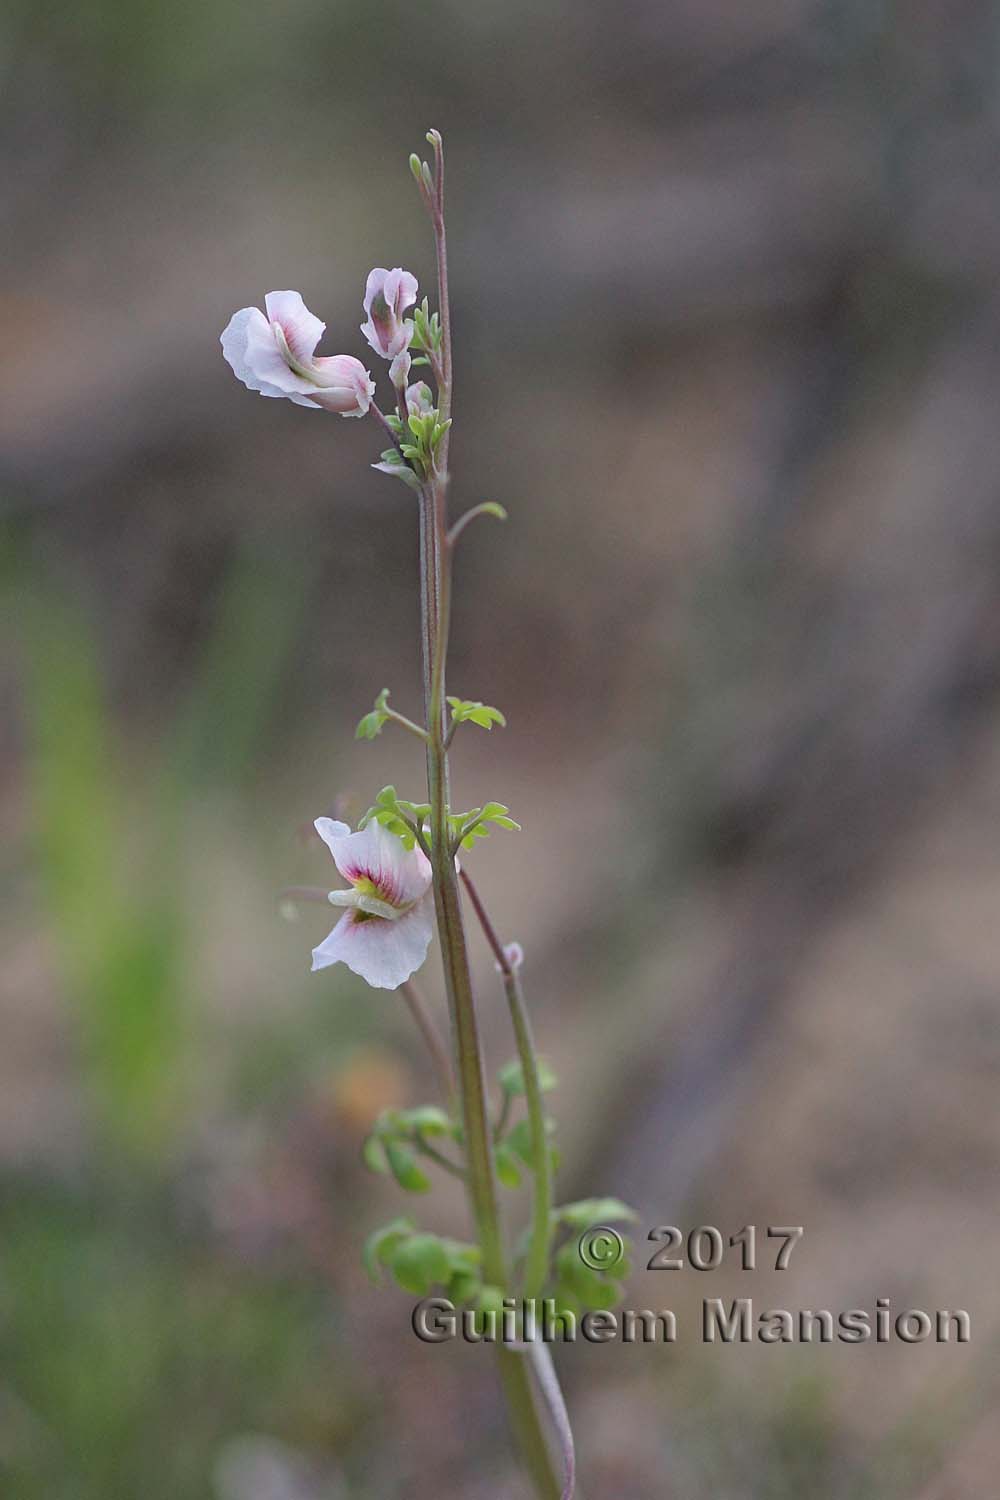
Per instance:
(435,591)
(548,1384)
(433,1154)
(529,1434)
(439,1053)
(451,931)
(536,1263)
(405,723)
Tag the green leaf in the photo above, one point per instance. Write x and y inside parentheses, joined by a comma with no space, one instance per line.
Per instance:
(403,1166)
(490,1299)
(373,1155)
(467,827)
(381,1243)
(463,1287)
(590,1287)
(507,1171)
(520,1140)
(511,1078)
(589,1211)
(372,723)
(428,1120)
(418,1262)
(461,1255)
(466,710)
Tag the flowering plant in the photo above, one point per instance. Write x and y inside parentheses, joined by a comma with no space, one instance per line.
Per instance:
(404,880)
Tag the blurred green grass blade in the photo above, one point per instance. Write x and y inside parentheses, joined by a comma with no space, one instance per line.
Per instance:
(117,926)
(235,698)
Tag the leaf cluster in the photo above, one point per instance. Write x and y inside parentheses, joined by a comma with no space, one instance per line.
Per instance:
(419,1261)
(405,819)
(467,711)
(478,823)
(399,1135)
(513,1146)
(578,1287)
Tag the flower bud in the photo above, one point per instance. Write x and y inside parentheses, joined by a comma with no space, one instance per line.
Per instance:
(419,399)
(399,370)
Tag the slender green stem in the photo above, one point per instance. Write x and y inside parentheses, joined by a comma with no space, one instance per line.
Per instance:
(405,723)
(536,1265)
(501,1124)
(432,1153)
(435,593)
(458,980)
(487,508)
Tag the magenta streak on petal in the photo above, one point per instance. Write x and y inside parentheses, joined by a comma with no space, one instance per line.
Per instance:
(382,880)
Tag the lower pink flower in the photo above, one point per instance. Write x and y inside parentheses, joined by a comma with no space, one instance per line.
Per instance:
(386,930)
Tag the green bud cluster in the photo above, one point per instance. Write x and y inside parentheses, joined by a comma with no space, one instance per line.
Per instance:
(427,334)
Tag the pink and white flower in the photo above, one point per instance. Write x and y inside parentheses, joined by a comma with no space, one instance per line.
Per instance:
(275,355)
(388,295)
(386,930)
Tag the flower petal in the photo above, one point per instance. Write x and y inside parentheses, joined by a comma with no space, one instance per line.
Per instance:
(345,386)
(302,329)
(374,284)
(400,290)
(330,831)
(382,953)
(399,875)
(249,346)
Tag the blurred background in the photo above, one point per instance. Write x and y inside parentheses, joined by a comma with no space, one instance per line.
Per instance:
(728,350)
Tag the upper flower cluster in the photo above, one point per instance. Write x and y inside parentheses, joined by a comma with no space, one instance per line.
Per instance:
(274,352)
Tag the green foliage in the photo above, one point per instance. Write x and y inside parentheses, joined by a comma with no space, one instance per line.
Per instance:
(121,937)
(408,819)
(381,1243)
(373,723)
(419,1261)
(396,465)
(428,432)
(588,1211)
(397,1136)
(427,333)
(125,1329)
(108,843)
(467,827)
(403,1166)
(492,508)
(511,1080)
(404,819)
(508,1172)
(520,1140)
(577,1285)
(464,710)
